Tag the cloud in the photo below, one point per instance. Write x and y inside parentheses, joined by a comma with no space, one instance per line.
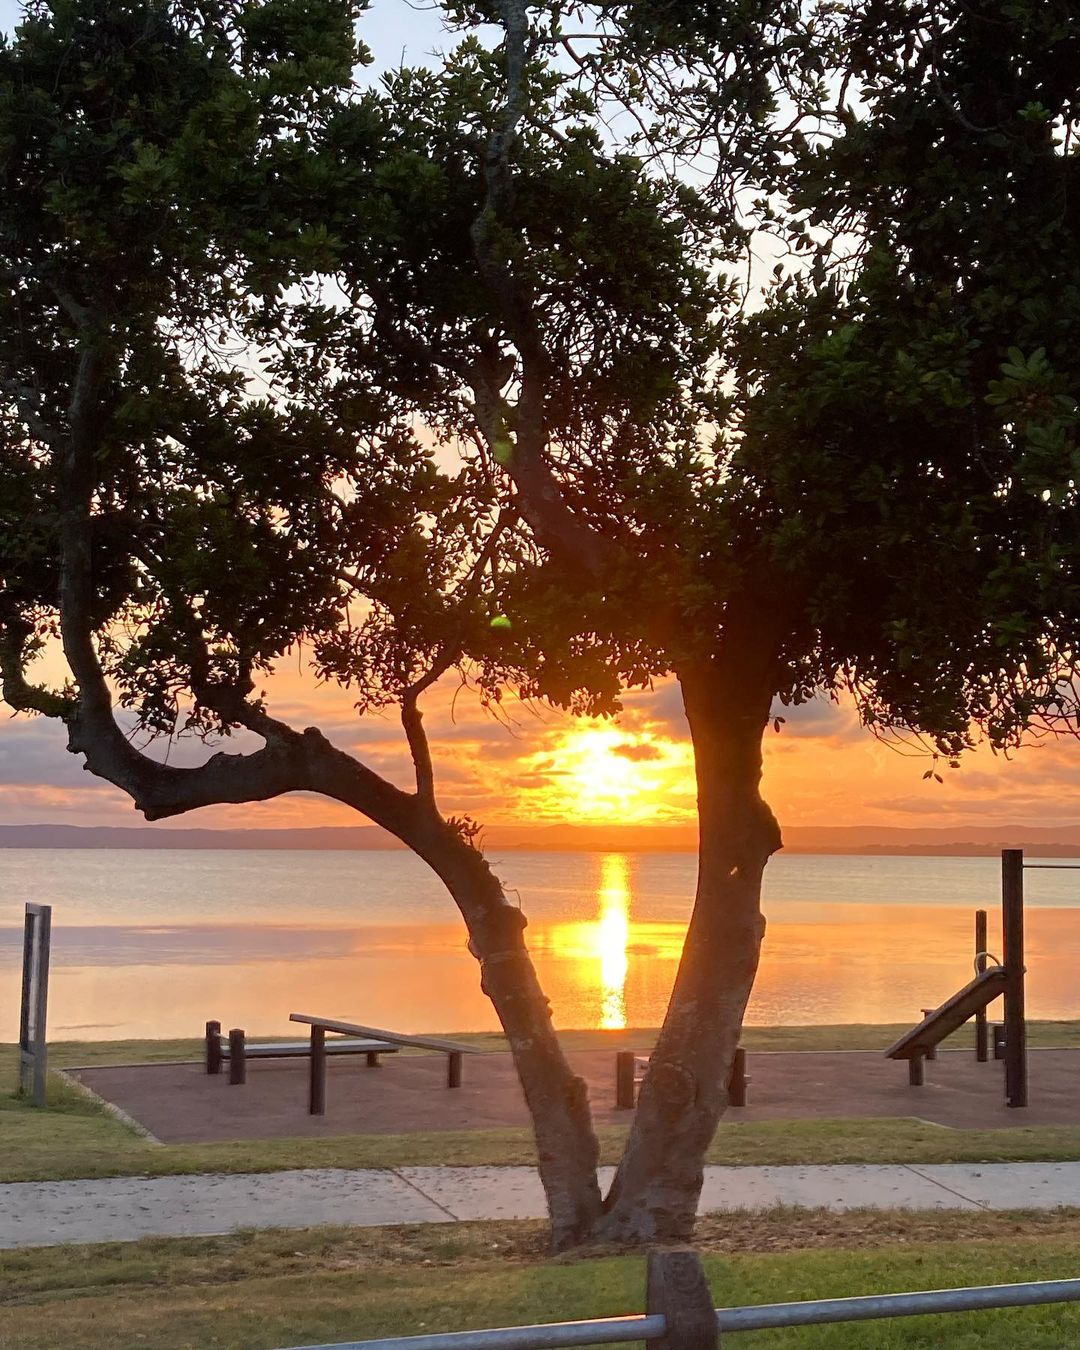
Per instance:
(637,751)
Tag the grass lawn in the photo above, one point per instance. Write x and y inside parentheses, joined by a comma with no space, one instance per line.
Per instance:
(255,1291)
(75,1137)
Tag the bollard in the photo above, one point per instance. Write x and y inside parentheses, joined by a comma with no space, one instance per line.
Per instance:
(453,1069)
(999,1040)
(624,1080)
(237,1057)
(213,1047)
(675,1285)
(915,1071)
(738,1080)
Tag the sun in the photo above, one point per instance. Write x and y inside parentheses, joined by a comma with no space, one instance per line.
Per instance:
(599,773)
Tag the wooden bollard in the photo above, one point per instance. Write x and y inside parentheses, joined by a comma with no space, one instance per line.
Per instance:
(675,1285)
(237,1057)
(624,1079)
(999,1040)
(213,1047)
(915,1071)
(738,1080)
(453,1069)
(317,1081)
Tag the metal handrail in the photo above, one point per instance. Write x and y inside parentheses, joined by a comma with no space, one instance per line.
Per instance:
(753,1317)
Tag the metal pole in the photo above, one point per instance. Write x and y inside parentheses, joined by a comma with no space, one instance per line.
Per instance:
(819,1311)
(1012,925)
(981,1045)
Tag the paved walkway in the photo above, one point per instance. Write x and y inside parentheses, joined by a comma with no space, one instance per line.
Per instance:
(47,1213)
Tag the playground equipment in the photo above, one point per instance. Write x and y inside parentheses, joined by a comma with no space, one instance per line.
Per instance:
(1004,979)
(37,931)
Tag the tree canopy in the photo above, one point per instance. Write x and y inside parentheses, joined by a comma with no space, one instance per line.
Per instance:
(460,370)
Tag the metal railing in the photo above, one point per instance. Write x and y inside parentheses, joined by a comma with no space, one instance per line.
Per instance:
(657,1326)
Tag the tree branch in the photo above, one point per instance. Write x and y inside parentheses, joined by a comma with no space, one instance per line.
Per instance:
(542,501)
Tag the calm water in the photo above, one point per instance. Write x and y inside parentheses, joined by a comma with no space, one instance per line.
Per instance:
(153,944)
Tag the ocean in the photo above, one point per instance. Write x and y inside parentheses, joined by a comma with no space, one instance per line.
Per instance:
(154,943)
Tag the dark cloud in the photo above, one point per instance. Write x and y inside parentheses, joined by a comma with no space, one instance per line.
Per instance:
(635,752)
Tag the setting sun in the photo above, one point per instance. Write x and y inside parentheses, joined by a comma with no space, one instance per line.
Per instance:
(600,773)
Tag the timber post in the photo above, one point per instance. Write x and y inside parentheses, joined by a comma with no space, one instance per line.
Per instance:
(213,1047)
(317,1082)
(237,1057)
(738,1080)
(676,1287)
(1012,922)
(981,1038)
(624,1079)
(453,1069)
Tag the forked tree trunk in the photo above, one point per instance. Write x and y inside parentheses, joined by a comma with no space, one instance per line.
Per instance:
(655,1193)
(557,1098)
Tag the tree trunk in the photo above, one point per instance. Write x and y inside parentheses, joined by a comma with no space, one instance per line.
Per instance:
(557,1098)
(655,1193)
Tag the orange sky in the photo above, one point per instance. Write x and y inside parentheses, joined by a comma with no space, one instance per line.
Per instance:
(822,769)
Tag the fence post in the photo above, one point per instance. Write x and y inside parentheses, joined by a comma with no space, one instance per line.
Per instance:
(675,1285)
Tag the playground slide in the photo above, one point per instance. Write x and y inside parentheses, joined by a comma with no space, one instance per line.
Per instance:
(952,1015)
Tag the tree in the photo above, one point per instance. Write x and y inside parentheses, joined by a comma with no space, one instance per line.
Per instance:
(177,515)
(891,506)
(557,311)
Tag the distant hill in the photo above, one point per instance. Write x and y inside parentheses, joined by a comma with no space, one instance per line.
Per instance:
(1061,841)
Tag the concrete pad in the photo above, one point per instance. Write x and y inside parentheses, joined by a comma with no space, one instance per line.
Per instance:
(837,1188)
(481,1192)
(124,1208)
(1010,1185)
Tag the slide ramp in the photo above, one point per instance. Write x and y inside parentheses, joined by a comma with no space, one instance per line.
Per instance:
(951,1016)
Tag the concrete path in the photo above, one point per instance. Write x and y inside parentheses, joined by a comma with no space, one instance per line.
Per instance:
(47,1213)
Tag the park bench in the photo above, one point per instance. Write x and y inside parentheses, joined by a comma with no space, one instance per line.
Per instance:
(235,1048)
(453,1050)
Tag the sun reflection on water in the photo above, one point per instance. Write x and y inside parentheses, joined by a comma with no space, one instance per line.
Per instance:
(612,937)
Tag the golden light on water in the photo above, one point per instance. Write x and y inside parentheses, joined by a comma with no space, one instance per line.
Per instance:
(612,937)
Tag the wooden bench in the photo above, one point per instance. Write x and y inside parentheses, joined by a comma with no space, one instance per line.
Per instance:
(453,1050)
(235,1048)
(630,1070)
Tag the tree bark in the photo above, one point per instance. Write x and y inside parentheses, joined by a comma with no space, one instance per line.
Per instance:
(654,1195)
(567,1149)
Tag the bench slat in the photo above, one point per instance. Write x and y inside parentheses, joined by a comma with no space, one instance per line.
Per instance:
(288,1049)
(394,1037)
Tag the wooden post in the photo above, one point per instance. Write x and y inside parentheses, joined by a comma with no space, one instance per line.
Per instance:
(737,1081)
(675,1285)
(1012,922)
(915,1071)
(453,1069)
(981,1040)
(237,1057)
(317,1085)
(624,1080)
(213,1047)
(999,1040)
(931,1050)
